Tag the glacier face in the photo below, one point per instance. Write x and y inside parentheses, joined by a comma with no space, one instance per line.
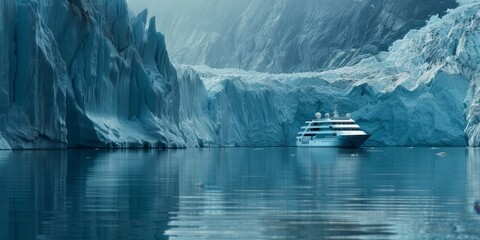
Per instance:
(281,36)
(259,109)
(84,73)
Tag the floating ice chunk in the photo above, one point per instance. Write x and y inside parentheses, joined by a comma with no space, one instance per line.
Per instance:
(442,154)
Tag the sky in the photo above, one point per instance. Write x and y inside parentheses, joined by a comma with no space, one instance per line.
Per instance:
(139,5)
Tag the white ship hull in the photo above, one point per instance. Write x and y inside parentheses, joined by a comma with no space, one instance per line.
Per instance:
(351,141)
(342,132)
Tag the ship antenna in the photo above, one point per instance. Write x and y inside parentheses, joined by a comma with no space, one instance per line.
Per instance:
(335,112)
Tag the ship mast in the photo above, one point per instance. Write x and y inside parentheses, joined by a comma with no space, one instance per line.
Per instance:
(335,112)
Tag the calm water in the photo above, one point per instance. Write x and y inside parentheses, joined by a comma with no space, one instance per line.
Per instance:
(270,193)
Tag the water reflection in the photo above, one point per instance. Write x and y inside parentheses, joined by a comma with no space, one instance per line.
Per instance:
(473,179)
(87,194)
(282,193)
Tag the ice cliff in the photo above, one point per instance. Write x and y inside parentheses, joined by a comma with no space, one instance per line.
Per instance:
(282,36)
(84,73)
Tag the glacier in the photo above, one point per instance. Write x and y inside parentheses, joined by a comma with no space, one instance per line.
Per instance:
(422,91)
(93,74)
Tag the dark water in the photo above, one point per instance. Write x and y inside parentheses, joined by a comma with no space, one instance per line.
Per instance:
(271,193)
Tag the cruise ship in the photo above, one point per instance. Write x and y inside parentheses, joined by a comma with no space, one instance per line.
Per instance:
(333,131)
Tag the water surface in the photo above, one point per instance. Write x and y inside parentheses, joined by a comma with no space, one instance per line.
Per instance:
(247,193)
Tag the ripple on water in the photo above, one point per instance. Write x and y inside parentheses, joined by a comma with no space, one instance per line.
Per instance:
(380,193)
